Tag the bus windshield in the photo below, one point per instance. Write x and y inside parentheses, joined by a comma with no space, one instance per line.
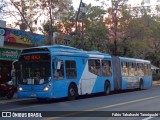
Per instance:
(34,72)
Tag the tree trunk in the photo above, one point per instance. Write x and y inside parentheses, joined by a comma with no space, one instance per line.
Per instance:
(52,41)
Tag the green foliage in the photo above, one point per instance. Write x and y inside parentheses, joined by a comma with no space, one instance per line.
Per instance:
(95,29)
(137,36)
(96,34)
(144,35)
(46,28)
(59,10)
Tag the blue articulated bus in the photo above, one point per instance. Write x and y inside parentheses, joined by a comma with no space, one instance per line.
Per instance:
(61,71)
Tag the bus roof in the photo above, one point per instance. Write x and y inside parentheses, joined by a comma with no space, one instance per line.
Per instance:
(133,60)
(65,50)
(71,51)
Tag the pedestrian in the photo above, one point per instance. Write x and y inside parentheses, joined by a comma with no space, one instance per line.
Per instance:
(9,77)
(1,82)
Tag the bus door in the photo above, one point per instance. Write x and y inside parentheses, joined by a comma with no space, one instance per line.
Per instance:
(133,75)
(140,72)
(70,71)
(59,76)
(147,75)
(90,76)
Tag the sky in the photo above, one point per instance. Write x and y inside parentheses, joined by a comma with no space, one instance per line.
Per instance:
(94,3)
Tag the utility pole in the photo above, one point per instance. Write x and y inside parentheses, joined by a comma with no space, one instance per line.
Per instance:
(83,10)
(76,31)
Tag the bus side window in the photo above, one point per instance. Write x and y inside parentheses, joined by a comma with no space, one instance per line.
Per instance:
(71,70)
(94,66)
(140,69)
(106,68)
(61,71)
(58,73)
(146,70)
(131,69)
(124,68)
(149,69)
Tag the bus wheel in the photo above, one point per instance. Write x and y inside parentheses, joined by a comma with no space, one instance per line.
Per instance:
(107,88)
(72,92)
(141,85)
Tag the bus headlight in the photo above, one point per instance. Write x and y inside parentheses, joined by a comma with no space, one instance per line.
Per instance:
(20,88)
(47,87)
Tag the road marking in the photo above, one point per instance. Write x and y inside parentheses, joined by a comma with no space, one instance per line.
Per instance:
(123,103)
(93,109)
(148,118)
(98,108)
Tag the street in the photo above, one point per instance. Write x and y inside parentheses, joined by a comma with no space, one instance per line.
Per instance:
(145,100)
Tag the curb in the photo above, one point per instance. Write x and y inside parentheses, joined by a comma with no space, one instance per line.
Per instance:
(14,99)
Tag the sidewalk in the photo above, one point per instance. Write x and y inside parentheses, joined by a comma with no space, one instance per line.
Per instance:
(4,100)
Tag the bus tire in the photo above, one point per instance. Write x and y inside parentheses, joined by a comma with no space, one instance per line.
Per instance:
(107,88)
(141,84)
(72,92)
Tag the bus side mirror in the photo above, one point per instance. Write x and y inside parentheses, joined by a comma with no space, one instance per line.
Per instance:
(58,66)
(57,63)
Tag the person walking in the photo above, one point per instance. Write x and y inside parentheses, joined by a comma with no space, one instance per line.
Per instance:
(9,77)
(1,79)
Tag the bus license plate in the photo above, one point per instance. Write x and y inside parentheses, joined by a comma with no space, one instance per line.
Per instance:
(33,95)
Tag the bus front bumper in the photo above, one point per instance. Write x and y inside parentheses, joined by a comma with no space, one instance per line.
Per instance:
(30,94)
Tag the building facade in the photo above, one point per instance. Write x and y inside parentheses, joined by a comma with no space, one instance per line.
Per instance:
(152,6)
(12,42)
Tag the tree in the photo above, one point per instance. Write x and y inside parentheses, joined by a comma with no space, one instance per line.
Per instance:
(65,25)
(143,36)
(95,30)
(2,5)
(129,30)
(25,13)
(115,20)
(55,10)
(154,42)
(30,13)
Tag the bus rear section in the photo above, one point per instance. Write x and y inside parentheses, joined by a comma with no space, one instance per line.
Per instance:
(131,73)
